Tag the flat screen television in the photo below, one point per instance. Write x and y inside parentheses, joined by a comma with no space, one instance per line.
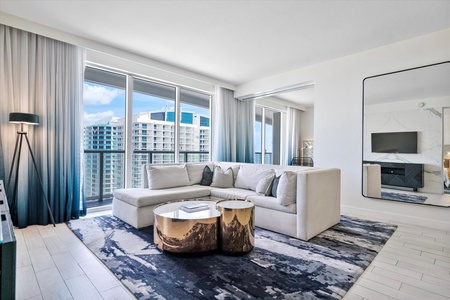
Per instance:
(394,142)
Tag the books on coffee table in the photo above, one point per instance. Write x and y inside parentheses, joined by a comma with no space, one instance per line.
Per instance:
(192,207)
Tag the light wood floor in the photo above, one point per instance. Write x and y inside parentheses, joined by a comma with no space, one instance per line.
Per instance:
(53,264)
(414,264)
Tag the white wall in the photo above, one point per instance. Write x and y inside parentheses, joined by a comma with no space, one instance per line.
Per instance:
(446,114)
(307,124)
(446,147)
(338,118)
(307,130)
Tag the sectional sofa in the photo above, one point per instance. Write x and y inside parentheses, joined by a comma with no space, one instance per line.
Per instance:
(297,201)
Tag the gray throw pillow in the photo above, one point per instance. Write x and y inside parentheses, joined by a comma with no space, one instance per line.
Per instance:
(276,180)
(287,188)
(207,176)
(264,186)
(248,177)
(222,179)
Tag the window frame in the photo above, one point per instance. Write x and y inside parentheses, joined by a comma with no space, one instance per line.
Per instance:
(282,132)
(129,89)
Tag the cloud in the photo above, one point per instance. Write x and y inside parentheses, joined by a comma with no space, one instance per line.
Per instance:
(104,116)
(98,95)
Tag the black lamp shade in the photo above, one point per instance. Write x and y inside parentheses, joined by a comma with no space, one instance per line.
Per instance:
(17,117)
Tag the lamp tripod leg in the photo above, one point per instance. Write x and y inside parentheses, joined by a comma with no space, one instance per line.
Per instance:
(13,160)
(40,181)
(16,183)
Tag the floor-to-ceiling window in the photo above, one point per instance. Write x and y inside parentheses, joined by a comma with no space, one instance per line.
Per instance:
(153,133)
(103,138)
(267,135)
(258,135)
(194,126)
(166,120)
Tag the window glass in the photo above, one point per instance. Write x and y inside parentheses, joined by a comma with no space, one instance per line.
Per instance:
(194,126)
(267,136)
(258,135)
(103,136)
(153,107)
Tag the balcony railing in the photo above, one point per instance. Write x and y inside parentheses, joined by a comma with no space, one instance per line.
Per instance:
(267,158)
(105,170)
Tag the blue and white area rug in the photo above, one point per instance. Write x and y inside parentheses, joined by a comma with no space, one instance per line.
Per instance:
(403,197)
(279,267)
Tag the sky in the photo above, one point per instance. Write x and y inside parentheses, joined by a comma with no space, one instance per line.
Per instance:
(102,102)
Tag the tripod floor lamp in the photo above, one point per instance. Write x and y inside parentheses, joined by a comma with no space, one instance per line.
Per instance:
(30,119)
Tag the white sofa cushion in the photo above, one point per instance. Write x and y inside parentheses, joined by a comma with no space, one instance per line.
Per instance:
(222,179)
(272,203)
(195,171)
(264,186)
(248,177)
(232,193)
(287,188)
(143,197)
(162,177)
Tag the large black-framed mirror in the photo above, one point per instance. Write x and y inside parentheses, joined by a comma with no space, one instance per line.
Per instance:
(406,135)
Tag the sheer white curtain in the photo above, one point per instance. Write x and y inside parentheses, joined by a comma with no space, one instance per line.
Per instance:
(293,142)
(44,77)
(233,128)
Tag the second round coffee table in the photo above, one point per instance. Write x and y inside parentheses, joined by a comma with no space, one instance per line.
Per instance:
(237,226)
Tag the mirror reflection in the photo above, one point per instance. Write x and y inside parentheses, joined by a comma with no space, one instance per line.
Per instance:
(406,135)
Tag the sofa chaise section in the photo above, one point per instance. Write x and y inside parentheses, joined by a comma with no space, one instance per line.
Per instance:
(135,205)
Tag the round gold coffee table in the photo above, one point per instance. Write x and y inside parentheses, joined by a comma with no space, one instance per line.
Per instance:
(237,226)
(179,231)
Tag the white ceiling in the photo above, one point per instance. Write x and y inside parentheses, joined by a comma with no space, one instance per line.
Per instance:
(238,41)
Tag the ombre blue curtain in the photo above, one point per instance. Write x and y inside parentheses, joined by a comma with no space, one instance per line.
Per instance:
(43,76)
(234,123)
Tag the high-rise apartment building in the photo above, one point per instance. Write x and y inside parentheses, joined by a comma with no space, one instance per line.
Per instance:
(107,137)
(153,140)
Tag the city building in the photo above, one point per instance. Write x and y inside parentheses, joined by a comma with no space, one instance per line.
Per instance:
(153,136)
